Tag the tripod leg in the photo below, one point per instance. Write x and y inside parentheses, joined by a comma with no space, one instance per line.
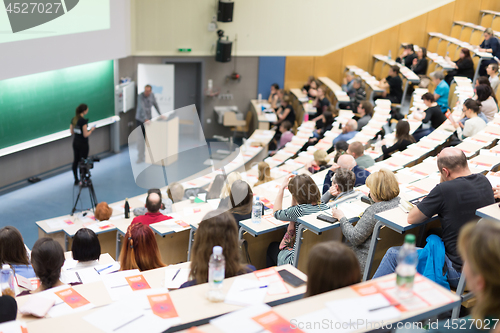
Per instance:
(76,201)
(93,198)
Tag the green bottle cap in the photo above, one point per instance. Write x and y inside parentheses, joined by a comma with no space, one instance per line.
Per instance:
(410,239)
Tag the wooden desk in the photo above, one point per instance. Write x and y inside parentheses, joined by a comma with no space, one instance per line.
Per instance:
(295,310)
(491,212)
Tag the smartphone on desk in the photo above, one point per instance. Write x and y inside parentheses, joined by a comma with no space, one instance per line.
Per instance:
(326,218)
(290,278)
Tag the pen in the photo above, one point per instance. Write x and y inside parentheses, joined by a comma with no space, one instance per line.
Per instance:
(383,307)
(251,288)
(103,269)
(116,329)
(176,274)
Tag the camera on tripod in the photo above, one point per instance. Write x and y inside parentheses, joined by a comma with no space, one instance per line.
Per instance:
(85,165)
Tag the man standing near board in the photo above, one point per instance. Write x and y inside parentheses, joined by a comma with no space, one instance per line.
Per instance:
(145,102)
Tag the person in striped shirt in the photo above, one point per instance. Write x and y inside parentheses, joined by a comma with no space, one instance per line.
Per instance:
(306,199)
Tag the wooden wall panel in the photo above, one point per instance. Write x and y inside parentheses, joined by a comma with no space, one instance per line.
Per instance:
(358,54)
(467,10)
(297,70)
(491,5)
(441,19)
(385,41)
(330,65)
(413,31)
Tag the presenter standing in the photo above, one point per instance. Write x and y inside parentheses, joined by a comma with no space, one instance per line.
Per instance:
(80,132)
(145,102)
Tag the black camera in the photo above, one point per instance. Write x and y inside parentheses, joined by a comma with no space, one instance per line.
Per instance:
(85,165)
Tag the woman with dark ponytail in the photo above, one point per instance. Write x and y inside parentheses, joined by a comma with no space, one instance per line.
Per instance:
(47,259)
(80,132)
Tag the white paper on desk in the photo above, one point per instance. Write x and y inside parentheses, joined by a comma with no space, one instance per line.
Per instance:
(108,269)
(241,321)
(214,203)
(118,209)
(180,278)
(494,180)
(117,217)
(12,327)
(117,285)
(60,308)
(246,292)
(275,284)
(69,263)
(56,224)
(323,319)
(351,210)
(123,318)
(271,117)
(359,308)
(172,225)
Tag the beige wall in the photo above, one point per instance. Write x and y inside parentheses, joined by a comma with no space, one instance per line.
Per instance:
(267,28)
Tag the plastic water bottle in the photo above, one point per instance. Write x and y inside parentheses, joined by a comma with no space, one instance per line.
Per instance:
(389,55)
(216,273)
(256,211)
(259,99)
(407,267)
(7,280)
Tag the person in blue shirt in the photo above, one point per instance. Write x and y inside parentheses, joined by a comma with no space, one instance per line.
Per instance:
(348,132)
(13,252)
(491,45)
(346,162)
(441,91)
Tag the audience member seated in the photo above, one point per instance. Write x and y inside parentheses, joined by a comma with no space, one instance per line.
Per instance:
(492,71)
(310,88)
(384,191)
(321,103)
(395,85)
(318,134)
(264,175)
(441,90)
(365,111)
(226,189)
(306,199)
(274,98)
(346,162)
(153,215)
(432,117)
(319,163)
(342,185)
(473,124)
(86,248)
(13,252)
(143,210)
(492,45)
(217,228)
(403,139)
(285,112)
(479,248)
(331,265)
(47,258)
(340,149)
(357,150)
(215,188)
(464,66)
(356,94)
(420,63)
(240,201)
(8,308)
(103,212)
(175,192)
(286,135)
(407,56)
(140,250)
(455,200)
(349,130)
(486,97)
(347,81)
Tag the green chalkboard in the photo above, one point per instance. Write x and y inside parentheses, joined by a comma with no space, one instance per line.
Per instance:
(36,105)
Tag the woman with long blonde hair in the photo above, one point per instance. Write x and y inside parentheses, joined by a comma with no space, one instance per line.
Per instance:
(140,250)
(218,228)
(264,173)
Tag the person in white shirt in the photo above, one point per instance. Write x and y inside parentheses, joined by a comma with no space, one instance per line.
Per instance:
(488,103)
(492,71)
(473,124)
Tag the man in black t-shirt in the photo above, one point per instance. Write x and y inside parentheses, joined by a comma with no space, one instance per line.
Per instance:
(394,83)
(455,200)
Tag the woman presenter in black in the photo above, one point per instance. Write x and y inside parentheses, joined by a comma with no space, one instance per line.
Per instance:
(80,132)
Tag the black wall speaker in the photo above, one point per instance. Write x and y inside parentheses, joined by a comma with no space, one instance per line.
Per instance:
(223,51)
(225,11)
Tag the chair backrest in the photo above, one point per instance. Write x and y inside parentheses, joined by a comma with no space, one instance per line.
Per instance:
(229,119)
(486,20)
(476,37)
(432,44)
(456,30)
(465,34)
(495,25)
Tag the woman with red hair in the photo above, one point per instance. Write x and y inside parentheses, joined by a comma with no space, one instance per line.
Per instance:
(140,250)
